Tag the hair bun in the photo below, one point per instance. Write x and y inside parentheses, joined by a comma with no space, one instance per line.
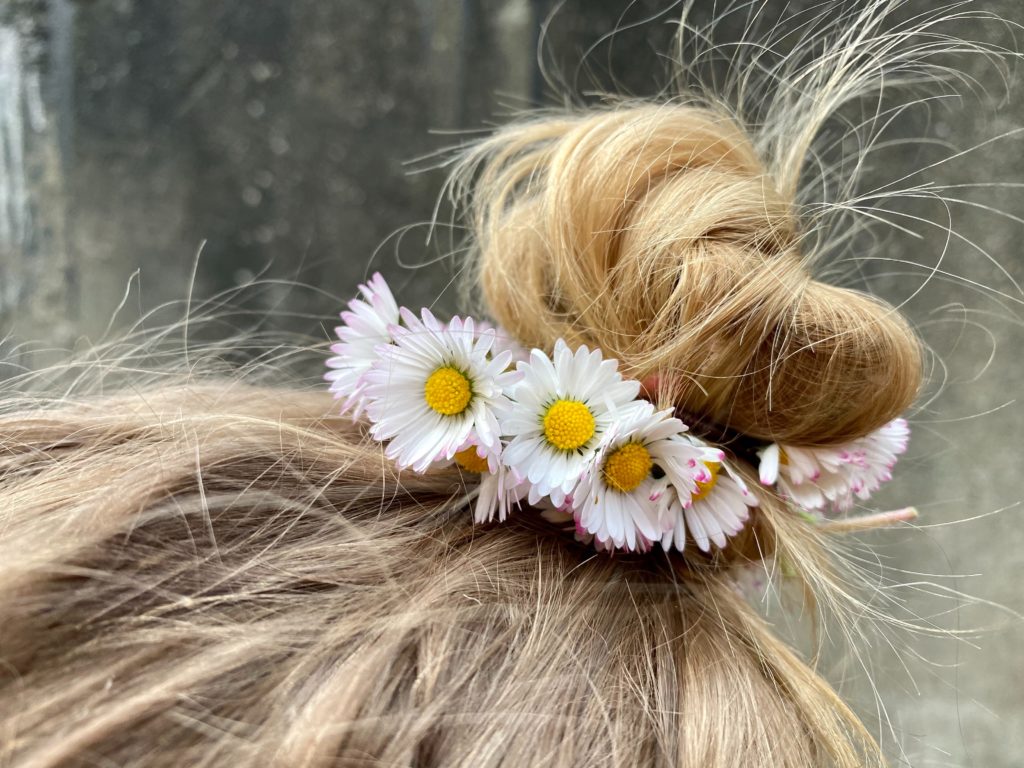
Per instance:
(655,233)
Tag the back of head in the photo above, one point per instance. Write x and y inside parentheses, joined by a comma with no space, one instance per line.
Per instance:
(212,575)
(225,573)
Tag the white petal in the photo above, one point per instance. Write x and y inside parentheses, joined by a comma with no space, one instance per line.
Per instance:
(768,470)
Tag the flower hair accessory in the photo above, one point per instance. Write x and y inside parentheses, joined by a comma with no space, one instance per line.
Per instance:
(568,433)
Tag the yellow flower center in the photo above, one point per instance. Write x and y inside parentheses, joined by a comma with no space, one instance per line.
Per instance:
(705,487)
(470,460)
(447,391)
(626,467)
(568,425)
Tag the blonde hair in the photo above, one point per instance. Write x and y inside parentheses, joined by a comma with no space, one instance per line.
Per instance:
(204,575)
(655,232)
(213,571)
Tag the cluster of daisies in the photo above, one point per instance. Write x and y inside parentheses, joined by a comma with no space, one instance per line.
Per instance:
(566,433)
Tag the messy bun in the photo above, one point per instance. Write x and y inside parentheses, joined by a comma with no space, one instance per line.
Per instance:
(654,232)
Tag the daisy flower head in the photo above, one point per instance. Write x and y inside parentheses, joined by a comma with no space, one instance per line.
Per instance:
(563,406)
(617,498)
(366,325)
(718,509)
(833,476)
(435,389)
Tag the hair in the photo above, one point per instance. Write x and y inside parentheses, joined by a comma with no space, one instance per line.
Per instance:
(655,232)
(208,570)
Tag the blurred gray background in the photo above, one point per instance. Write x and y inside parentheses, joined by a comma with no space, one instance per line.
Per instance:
(278,132)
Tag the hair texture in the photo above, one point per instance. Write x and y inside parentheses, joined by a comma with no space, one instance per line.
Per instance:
(213,575)
(205,570)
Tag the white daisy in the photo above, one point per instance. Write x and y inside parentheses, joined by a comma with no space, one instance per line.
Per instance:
(434,388)
(562,408)
(367,325)
(814,478)
(615,499)
(500,488)
(567,521)
(718,509)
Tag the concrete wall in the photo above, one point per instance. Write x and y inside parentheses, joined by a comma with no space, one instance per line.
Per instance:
(131,131)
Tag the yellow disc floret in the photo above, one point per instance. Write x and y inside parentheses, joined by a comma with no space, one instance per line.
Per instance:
(470,460)
(705,487)
(447,391)
(627,466)
(568,425)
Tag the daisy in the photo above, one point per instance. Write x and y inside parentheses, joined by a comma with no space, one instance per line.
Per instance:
(500,488)
(434,389)
(719,509)
(367,325)
(562,408)
(567,521)
(814,478)
(616,500)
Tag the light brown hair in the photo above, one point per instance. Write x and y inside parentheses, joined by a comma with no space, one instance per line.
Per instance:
(218,574)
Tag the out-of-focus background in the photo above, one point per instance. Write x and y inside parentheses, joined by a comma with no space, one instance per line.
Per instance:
(278,133)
